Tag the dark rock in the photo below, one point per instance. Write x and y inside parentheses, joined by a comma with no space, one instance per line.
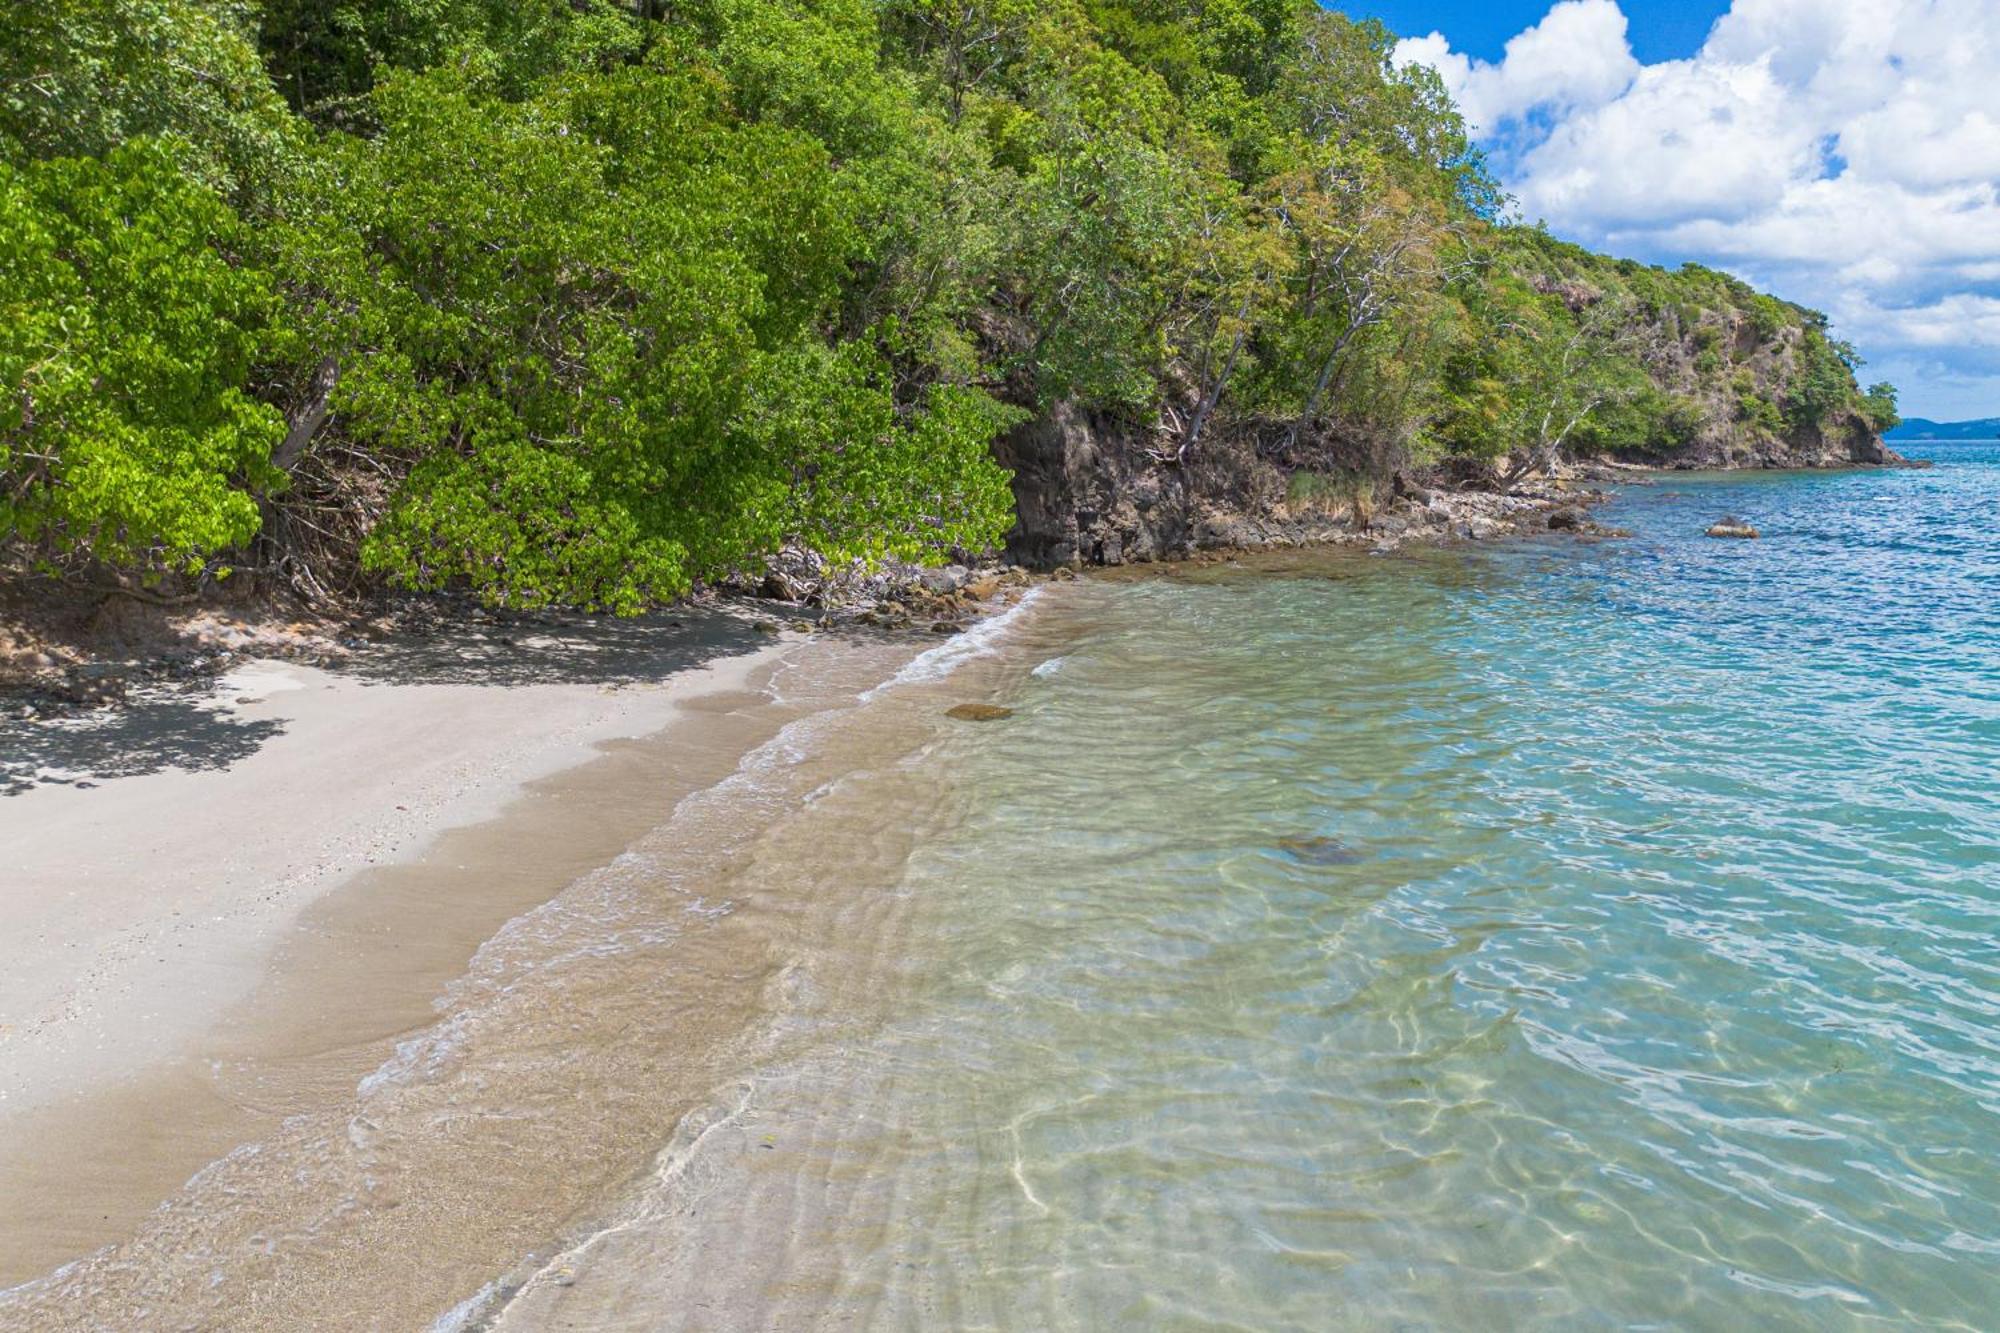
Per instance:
(1320,851)
(1410,489)
(1568,519)
(979,712)
(780,587)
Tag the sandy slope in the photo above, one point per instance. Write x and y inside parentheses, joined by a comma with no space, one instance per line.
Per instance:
(156,865)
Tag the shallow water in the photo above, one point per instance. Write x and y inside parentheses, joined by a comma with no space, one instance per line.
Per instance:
(1557,935)
(1547,935)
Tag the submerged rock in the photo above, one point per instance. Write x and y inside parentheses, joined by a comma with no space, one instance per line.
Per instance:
(1320,851)
(1732,526)
(979,712)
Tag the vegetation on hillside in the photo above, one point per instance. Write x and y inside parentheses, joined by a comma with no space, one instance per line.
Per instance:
(584,301)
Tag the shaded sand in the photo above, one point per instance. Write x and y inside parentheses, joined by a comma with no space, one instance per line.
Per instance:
(218,911)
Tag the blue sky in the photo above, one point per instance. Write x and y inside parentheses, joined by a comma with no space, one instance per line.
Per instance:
(1660,29)
(1842,153)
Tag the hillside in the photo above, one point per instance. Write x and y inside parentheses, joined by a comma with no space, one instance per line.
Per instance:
(591,303)
(1918,428)
(1720,375)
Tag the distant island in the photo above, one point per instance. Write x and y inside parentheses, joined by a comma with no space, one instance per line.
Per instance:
(1916,428)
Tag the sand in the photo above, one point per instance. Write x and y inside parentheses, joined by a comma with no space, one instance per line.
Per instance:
(327,842)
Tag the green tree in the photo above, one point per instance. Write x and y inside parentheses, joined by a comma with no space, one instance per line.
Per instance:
(597,339)
(1822,381)
(1879,406)
(80,77)
(127,335)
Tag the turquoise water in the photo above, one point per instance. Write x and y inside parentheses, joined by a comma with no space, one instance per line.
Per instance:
(1545,935)
(1548,936)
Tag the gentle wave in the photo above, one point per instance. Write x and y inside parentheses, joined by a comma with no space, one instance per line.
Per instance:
(982,640)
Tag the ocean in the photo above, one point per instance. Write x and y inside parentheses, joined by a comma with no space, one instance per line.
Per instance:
(1552,934)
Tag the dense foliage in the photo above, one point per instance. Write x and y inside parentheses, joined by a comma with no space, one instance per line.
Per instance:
(587,300)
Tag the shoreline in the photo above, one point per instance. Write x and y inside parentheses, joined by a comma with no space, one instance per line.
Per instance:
(60,660)
(365,968)
(606,1002)
(239,940)
(249,938)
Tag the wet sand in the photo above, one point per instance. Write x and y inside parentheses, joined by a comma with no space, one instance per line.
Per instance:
(447,1071)
(197,952)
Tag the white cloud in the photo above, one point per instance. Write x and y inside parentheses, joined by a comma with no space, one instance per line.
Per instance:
(1847,152)
(1578,56)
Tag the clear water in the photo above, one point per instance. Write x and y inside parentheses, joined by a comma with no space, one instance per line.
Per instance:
(1551,936)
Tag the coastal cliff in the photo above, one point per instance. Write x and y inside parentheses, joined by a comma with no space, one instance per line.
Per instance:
(1672,370)
(1092,489)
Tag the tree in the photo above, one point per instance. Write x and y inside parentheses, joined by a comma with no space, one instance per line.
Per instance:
(963,43)
(127,437)
(1822,380)
(1233,261)
(80,77)
(1365,251)
(588,300)
(595,333)
(1880,407)
(1568,366)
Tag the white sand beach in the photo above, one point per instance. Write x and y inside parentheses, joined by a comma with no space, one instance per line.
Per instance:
(203,844)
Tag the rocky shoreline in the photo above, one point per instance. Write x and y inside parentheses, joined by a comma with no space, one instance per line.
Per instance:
(60,657)
(1085,495)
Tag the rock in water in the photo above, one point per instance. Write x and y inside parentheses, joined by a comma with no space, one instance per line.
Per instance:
(1732,526)
(979,712)
(1568,519)
(1320,851)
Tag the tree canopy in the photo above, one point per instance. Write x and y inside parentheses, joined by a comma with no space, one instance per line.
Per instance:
(586,302)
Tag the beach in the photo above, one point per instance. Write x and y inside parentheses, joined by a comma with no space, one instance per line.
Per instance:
(1480,937)
(491,920)
(195,952)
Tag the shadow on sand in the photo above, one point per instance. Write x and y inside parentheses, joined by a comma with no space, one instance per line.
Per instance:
(145,736)
(545,648)
(181,727)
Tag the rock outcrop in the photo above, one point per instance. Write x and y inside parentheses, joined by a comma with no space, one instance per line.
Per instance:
(1091,490)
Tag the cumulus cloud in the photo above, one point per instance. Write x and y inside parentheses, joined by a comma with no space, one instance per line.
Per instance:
(1845,152)
(1576,57)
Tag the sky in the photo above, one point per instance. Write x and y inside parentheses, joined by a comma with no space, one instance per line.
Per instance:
(1844,154)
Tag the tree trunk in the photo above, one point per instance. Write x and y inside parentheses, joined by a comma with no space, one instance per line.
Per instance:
(1319,386)
(298,439)
(1214,395)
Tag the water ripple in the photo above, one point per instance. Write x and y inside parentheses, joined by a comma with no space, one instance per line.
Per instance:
(1656,983)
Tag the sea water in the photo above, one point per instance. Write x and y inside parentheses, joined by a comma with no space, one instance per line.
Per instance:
(1547,934)
(1553,935)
